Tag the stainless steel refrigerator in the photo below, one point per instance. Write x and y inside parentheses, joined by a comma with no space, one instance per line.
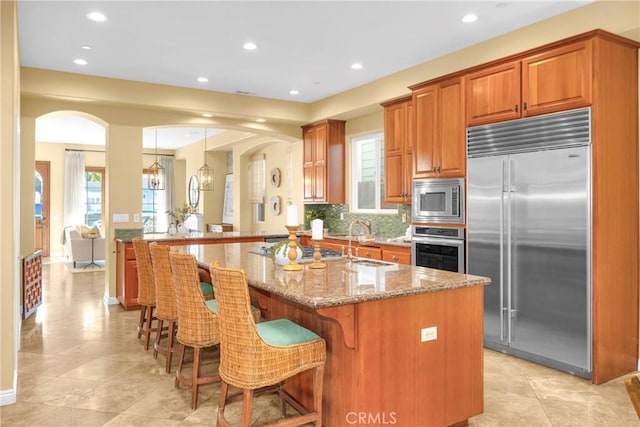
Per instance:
(529,229)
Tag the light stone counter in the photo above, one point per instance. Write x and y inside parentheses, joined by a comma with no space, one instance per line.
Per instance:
(342,282)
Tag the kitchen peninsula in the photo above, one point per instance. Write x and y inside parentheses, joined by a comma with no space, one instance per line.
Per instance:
(404,344)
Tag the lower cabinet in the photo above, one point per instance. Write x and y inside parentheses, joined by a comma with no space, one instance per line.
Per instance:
(390,253)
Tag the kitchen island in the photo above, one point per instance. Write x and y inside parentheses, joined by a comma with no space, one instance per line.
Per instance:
(404,344)
(127,270)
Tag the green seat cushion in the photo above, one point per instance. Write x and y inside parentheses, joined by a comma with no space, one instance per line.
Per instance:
(206,288)
(212,305)
(283,332)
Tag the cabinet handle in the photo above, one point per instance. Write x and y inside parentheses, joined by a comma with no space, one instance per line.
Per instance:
(524,106)
(368,254)
(515,107)
(395,257)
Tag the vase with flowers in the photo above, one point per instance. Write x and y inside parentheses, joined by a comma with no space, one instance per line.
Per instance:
(179,216)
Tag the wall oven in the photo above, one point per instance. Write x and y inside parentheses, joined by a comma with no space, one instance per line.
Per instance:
(438,247)
(437,200)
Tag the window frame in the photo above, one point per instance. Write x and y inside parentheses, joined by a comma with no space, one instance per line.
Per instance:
(356,167)
(102,171)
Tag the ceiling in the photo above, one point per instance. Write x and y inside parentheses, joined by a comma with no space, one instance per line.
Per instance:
(307,46)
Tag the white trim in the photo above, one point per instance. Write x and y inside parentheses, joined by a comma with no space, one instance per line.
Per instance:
(8,397)
(638,369)
(110,300)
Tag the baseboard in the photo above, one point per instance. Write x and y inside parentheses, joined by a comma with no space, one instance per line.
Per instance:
(110,300)
(8,397)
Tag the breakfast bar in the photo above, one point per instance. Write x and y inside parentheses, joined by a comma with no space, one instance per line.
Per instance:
(404,344)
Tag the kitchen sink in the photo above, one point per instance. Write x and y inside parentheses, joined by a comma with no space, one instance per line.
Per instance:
(370,262)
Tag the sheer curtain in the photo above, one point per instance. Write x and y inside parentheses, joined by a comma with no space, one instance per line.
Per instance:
(74,197)
(165,202)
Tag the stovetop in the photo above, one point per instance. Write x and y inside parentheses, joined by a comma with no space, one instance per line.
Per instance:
(307,252)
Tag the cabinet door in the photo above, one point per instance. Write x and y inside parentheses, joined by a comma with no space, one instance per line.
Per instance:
(307,164)
(424,102)
(493,94)
(450,146)
(320,163)
(559,79)
(408,154)
(395,133)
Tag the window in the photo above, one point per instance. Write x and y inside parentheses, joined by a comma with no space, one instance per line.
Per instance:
(367,174)
(257,185)
(93,195)
(152,200)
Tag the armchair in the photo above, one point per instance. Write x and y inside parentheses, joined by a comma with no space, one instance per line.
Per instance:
(78,248)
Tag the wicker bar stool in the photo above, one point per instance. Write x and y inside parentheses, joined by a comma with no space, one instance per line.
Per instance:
(166,308)
(197,321)
(256,357)
(146,290)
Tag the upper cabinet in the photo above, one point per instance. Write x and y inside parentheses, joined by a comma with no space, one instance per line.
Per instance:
(323,162)
(398,150)
(438,129)
(552,80)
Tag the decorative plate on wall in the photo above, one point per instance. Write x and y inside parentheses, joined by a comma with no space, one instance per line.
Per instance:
(274,202)
(275,177)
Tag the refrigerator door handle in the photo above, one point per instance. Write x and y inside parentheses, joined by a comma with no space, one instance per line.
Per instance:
(502,196)
(507,178)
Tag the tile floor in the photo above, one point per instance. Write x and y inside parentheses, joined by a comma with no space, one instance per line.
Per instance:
(81,365)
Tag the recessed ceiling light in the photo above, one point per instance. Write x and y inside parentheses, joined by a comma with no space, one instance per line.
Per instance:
(501,4)
(97,16)
(250,46)
(203,79)
(207,115)
(261,120)
(294,92)
(86,47)
(79,61)
(469,17)
(356,66)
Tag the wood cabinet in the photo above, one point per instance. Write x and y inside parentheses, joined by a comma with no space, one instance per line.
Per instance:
(438,129)
(398,150)
(555,79)
(323,167)
(390,253)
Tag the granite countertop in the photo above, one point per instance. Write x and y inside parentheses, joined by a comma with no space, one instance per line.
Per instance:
(211,235)
(404,243)
(340,283)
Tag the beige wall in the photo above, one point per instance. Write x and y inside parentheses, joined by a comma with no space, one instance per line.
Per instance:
(9,200)
(125,108)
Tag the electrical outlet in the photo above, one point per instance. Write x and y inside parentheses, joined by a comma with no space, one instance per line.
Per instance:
(429,334)
(405,218)
(341,216)
(136,217)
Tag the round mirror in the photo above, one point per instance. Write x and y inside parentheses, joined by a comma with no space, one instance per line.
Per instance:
(194,193)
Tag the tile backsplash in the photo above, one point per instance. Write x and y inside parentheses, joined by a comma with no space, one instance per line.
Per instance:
(382,225)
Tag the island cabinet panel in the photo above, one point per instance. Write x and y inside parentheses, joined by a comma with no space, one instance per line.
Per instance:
(545,81)
(439,131)
(378,368)
(398,150)
(323,166)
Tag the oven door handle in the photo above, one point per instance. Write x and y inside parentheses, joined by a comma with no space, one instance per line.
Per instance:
(438,241)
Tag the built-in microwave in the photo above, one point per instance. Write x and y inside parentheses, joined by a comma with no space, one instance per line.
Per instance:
(438,200)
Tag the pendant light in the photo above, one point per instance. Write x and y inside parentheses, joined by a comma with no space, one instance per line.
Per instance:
(156,172)
(205,173)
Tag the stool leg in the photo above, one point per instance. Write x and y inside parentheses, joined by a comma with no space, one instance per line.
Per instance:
(170,349)
(194,377)
(176,382)
(222,402)
(318,379)
(159,323)
(247,401)
(149,328)
(141,322)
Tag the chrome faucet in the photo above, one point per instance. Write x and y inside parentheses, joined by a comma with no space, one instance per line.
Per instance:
(363,223)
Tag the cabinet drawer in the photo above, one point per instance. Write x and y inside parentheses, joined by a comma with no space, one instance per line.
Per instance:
(401,256)
(368,252)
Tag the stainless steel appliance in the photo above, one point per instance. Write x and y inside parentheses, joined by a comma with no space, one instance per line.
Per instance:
(529,230)
(438,247)
(438,200)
